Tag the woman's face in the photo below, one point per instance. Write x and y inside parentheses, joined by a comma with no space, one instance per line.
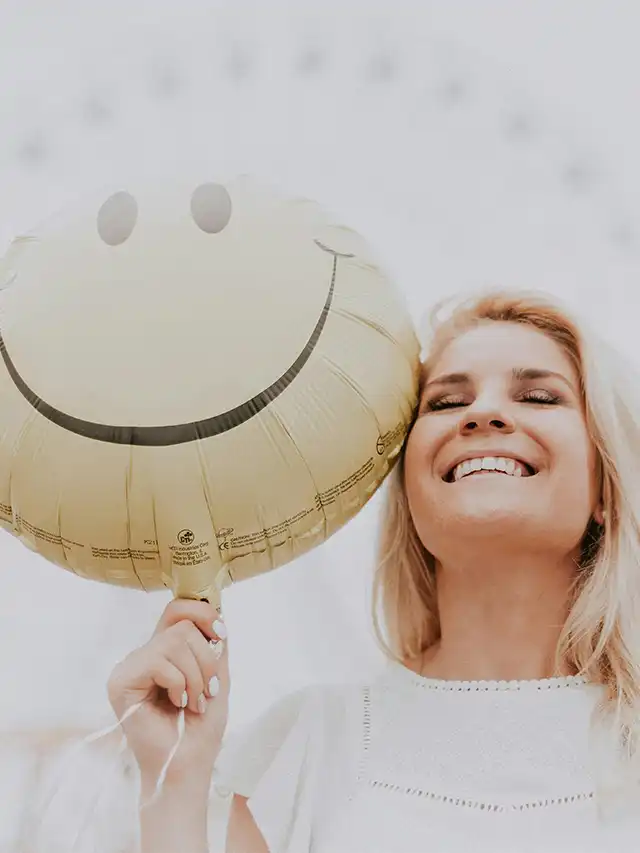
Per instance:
(500,447)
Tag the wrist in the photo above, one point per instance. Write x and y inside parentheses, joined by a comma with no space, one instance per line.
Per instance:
(192,787)
(176,821)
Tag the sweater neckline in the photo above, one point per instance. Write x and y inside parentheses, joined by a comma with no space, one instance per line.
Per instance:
(402,674)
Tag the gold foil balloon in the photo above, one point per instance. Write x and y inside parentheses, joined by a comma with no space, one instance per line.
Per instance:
(197,385)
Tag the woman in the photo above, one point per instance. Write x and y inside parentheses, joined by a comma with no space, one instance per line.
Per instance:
(508,714)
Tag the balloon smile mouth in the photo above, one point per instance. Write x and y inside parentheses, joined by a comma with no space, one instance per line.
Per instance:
(163,436)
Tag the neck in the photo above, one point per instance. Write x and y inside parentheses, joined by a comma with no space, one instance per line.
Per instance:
(500,618)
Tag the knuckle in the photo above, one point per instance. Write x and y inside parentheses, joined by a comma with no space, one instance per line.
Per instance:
(173,613)
(187,628)
(168,676)
(186,608)
(174,651)
(214,653)
(115,673)
(120,674)
(178,636)
(115,686)
(176,606)
(176,680)
(157,661)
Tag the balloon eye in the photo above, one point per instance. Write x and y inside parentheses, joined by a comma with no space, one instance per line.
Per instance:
(211,208)
(117,218)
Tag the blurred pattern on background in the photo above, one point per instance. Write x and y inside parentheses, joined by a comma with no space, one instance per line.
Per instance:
(474,144)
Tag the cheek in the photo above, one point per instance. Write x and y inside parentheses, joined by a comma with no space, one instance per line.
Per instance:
(577,482)
(422,487)
(418,458)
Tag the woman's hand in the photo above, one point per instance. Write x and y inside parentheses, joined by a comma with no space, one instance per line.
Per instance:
(183,665)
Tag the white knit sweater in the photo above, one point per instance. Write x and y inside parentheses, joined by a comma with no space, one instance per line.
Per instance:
(409,764)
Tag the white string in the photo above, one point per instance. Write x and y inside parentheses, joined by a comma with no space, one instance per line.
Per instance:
(163,772)
(85,742)
(122,746)
(92,738)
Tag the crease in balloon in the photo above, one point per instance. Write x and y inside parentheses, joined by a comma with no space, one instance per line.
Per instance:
(127,490)
(367,323)
(283,427)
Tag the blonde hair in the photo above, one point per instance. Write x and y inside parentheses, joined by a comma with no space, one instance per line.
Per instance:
(601,636)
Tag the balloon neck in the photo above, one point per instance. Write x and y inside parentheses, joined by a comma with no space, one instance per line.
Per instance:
(208,588)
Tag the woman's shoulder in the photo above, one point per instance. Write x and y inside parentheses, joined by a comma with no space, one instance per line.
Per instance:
(328,702)
(318,709)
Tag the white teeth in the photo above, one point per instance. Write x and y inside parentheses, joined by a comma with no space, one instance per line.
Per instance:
(507,466)
(462,469)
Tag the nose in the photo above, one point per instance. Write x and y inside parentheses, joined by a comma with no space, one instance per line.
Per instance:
(479,419)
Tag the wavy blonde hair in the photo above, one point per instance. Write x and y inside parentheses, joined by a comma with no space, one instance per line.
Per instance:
(601,636)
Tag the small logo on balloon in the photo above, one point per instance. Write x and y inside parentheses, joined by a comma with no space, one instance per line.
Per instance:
(186,537)
(224,534)
(391,438)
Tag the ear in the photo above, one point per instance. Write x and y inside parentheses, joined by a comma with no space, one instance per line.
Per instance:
(599,515)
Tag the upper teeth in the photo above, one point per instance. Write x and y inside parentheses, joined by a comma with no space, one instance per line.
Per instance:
(489,463)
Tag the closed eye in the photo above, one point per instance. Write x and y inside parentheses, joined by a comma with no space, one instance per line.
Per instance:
(443,403)
(541,396)
(538,395)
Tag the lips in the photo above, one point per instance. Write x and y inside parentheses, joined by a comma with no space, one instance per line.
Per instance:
(506,464)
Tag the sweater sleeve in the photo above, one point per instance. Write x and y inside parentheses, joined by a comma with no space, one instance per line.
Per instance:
(273,762)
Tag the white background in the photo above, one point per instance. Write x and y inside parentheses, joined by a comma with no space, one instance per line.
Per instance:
(472,141)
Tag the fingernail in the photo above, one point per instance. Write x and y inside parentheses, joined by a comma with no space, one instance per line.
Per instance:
(220,629)
(202,703)
(185,699)
(214,686)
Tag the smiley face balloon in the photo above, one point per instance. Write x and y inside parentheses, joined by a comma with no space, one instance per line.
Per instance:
(198,383)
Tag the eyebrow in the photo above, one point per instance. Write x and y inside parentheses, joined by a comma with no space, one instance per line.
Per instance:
(518,373)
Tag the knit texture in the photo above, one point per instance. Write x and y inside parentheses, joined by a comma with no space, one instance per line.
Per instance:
(408,764)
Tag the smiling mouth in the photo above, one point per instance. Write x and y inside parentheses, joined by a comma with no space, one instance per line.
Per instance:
(163,436)
(506,466)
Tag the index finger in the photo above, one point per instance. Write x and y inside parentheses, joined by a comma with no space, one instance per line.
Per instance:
(201,613)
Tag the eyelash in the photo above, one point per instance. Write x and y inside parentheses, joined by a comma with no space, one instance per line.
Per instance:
(527,397)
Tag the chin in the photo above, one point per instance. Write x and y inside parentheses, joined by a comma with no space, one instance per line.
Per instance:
(500,528)
(492,521)
(481,520)
(491,507)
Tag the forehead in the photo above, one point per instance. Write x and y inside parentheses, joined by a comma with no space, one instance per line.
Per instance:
(497,347)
